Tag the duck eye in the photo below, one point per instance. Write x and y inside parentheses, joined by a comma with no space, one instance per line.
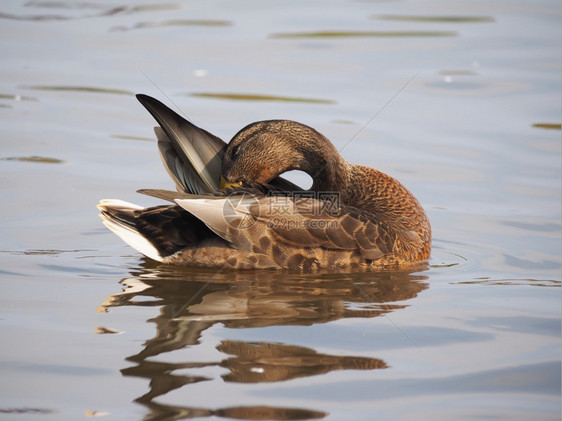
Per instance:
(234,151)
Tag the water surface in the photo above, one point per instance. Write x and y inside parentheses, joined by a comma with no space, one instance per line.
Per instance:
(460,101)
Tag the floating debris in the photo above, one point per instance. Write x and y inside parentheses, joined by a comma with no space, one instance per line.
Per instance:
(435,19)
(80,89)
(26,411)
(41,159)
(260,97)
(548,126)
(357,34)
(174,22)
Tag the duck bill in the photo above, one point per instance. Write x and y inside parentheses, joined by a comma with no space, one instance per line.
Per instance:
(224,184)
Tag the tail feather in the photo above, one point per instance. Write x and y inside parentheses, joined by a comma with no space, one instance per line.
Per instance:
(157,232)
(119,217)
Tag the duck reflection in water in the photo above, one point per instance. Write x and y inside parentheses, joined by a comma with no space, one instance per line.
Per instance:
(192,301)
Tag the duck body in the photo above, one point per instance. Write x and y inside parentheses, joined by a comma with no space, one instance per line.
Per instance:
(352,218)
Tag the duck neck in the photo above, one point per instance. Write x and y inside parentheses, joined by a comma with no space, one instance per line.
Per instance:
(328,170)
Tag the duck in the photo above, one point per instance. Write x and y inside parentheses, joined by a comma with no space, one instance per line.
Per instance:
(232,209)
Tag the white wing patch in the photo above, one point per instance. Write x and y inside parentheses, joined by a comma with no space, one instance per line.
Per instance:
(219,213)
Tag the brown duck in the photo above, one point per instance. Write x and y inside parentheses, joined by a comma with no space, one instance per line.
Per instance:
(233,210)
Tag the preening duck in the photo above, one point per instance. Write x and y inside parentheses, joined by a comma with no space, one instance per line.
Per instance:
(232,209)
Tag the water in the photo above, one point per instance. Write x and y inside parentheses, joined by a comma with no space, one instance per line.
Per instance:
(458,100)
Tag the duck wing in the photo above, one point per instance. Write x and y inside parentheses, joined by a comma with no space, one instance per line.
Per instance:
(308,222)
(245,220)
(191,155)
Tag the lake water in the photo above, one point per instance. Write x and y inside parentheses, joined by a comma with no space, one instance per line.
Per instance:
(459,100)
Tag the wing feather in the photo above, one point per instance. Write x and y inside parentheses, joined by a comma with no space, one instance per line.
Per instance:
(192,155)
(302,224)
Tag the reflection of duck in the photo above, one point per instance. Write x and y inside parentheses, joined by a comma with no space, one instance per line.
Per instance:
(190,302)
(257,362)
(202,298)
(353,217)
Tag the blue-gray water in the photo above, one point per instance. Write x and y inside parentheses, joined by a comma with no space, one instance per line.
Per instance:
(459,100)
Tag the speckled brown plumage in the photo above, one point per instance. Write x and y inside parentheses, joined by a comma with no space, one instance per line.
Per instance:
(353,217)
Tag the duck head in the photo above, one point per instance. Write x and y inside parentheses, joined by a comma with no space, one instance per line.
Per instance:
(263,150)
